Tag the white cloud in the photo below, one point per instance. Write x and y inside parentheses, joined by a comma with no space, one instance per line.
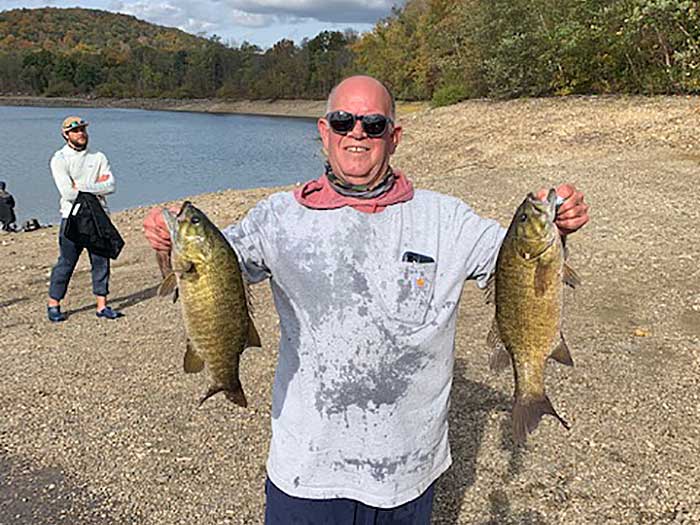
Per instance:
(260,21)
(219,14)
(338,11)
(242,18)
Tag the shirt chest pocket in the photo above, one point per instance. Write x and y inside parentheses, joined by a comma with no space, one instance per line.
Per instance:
(408,295)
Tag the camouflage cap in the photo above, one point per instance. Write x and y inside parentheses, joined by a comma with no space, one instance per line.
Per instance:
(70,123)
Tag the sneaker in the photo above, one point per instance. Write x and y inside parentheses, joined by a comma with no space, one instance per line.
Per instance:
(108,313)
(54,314)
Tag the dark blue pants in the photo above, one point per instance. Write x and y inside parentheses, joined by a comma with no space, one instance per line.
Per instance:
(282,509)
(67,259)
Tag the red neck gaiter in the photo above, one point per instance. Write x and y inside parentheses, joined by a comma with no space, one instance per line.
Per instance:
(319,195)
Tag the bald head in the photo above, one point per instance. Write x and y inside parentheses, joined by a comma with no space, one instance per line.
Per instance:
(361,86)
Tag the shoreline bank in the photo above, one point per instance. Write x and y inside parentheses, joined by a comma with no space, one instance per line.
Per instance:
(275,108)
(101,425)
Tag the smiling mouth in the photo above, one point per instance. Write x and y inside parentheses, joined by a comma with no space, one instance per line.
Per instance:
(356,149)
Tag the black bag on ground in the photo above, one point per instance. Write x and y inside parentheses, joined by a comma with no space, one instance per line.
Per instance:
(88,225)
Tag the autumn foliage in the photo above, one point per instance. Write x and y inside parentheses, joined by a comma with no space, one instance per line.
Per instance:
(439,50)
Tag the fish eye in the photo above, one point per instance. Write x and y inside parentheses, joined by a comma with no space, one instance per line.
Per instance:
(523,217)
(195,220)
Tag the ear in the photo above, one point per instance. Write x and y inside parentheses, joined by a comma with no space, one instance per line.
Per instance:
(395,138)
(324,131)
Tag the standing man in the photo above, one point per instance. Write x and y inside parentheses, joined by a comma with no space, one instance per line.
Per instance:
(7,210)
(76,169)
(366,274)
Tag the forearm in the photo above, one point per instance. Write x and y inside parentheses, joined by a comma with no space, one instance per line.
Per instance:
(103,187)
(64,183)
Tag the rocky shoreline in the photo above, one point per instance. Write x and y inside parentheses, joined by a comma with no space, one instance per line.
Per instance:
(100,424)
(279,108)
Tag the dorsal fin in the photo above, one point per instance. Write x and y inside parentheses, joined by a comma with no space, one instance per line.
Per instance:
(490,289)
(500,358)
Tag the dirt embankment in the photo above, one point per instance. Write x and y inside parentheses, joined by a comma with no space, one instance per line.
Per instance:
(278,107)
(99,424)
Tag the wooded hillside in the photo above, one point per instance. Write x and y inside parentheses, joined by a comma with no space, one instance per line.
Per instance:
(63,52)
(439,50)
(84,31)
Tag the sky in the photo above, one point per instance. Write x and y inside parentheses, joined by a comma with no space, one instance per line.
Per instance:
(261,22)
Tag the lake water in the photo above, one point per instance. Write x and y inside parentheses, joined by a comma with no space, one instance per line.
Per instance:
(156,156)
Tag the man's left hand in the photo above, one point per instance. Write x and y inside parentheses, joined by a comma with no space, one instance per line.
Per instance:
(573,212)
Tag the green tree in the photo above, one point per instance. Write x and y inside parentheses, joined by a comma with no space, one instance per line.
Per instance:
(36,71)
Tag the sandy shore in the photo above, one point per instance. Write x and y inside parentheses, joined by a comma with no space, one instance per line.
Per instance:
(279,108)
(100,425)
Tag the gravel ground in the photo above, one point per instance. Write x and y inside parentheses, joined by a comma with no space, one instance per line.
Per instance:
(100,426)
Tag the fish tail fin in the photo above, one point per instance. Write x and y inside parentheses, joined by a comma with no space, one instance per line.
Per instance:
(237,396)
(234,394)
(527,414)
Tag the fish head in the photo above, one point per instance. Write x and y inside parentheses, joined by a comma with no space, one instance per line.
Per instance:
(533,225)
(191,233)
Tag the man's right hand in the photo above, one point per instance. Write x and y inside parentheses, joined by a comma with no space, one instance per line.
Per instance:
(156,231)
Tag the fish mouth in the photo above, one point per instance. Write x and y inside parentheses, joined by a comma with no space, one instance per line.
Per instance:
(183,209)
(171,222)
(548,206)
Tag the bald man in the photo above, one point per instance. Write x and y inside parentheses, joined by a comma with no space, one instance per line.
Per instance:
(366,274)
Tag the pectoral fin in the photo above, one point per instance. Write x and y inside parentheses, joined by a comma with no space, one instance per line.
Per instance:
(561,353)
(500,358)
(192,362)
(168,286)
(253,337)
(542,277)
(571,278)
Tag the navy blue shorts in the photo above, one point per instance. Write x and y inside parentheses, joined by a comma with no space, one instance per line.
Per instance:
(282,509)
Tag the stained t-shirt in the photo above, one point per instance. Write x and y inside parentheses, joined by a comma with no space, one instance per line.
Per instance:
(361,391)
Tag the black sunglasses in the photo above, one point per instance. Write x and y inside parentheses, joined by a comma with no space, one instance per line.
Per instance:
(343,123)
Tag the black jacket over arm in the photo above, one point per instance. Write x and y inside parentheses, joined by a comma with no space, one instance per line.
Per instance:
(89,226)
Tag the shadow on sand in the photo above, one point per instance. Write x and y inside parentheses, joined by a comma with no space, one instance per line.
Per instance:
(469,411)
(14,300)
(30,494)
(121,303)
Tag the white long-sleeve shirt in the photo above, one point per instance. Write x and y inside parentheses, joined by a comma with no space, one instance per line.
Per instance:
(75,171)
(361,392)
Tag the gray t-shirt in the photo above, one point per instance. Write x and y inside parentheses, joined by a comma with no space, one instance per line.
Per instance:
(361,392)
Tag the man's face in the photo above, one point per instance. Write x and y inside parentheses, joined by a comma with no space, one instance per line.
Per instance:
(355,157)
(77,137)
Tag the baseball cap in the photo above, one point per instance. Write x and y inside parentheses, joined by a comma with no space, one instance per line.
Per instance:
(73,123)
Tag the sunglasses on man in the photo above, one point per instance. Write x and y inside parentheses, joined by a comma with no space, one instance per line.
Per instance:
(342,123)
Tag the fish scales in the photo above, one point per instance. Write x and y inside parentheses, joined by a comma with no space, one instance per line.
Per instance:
(214,302)
(532,331)
(529,277)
